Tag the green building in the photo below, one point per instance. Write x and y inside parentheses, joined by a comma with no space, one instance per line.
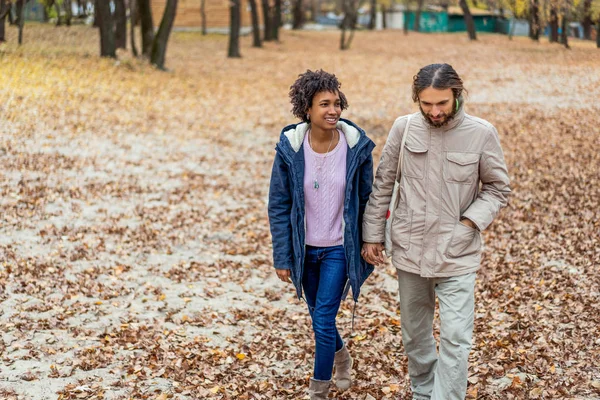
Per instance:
(451,20)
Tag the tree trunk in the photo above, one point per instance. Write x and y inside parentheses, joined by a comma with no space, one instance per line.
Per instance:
(4,10)
(511,31)
(19,6)
(373,15)
(587,20)
(349,22)
(133,15)
(468,19)
(534,23)
(405,13)
(553,24)
(81,9)
(267,21)
(598,33)
(565,27)
(417,26)
(159,46)
(147,26)
(276,22)
(57,8)
(234,29)
(96,23)
(344,24)
(255,27)
(314,10)
(107,29)
(21,11)
(68,12)
(298,15)
(383,16)
(352,31)
(121,24)
(203,15)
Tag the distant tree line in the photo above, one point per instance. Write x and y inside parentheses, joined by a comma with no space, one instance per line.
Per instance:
(553,14)
(111,17)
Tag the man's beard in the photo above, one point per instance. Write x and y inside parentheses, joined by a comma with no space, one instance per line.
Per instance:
(447,118)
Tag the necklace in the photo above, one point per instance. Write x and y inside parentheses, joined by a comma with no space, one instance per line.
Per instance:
(318,167)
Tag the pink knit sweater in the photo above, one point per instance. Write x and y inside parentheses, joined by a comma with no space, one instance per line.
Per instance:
(324,205)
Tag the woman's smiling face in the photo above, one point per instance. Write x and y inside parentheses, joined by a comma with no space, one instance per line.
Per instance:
(325,110)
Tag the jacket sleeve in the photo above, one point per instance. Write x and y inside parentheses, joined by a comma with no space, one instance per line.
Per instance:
(379,201)
(280,208)
(495,187)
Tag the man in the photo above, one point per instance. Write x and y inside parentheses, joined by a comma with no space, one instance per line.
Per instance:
(436,228)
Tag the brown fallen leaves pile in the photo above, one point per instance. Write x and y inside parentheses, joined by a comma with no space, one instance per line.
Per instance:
(134,246)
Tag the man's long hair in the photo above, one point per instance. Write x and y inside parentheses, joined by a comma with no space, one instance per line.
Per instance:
(437,76)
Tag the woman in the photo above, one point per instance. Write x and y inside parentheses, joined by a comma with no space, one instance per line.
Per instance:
(320,185)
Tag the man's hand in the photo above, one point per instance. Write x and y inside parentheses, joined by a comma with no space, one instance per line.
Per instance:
(469,223)
(284,275)
(373,253)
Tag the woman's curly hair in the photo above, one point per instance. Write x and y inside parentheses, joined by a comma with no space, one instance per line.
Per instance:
(308,85)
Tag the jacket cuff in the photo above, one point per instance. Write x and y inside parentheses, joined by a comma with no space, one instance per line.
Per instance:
(282,265)
(477,220)
(373,231)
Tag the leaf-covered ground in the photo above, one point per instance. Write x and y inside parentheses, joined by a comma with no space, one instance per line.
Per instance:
(134,246)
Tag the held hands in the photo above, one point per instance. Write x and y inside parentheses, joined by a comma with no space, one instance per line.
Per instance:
(373,253)
(284,275)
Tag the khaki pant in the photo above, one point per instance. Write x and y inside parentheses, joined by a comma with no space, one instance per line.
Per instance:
(436,376)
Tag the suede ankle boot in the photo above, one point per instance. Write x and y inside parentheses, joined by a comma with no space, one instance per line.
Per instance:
(343,368)
(318,390)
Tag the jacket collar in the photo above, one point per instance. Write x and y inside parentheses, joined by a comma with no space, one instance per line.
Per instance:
(295,134)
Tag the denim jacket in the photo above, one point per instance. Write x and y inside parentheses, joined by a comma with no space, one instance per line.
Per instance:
(287,209)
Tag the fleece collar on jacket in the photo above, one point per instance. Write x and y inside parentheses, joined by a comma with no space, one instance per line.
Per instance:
(296,135)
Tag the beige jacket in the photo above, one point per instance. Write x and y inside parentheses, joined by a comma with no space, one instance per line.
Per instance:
(440,183)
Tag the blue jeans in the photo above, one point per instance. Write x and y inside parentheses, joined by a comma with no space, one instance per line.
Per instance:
(324,281)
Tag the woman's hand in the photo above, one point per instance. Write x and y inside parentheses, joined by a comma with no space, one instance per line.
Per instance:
(284,275)
(373,253)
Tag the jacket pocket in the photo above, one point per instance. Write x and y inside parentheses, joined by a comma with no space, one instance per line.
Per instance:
(415,161)
(464,241)
(461,167)
(401,228)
